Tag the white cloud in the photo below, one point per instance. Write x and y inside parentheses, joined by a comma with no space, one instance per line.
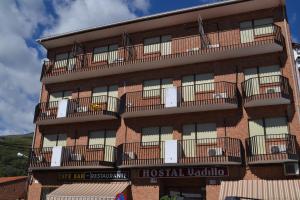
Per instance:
(79,14)
(20,65)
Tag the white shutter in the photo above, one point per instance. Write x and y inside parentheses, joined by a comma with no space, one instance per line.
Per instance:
(252,82)
(246,31)
(204,82)
(110,141)
(96,139)
(151,88)
(263,26)
(166,45)
(56,96)
(113,53)
(266,73)
(112,98)
(100,95)
(166,83)
(150,134)
(100,54)
(189,134)
(277,125)
(62,139)
(206,133)
(151,45)
(258,145)
(71,62)
(49,140)
(61,60)
(188,89)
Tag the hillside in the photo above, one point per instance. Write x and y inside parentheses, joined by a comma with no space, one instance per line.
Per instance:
(10,164)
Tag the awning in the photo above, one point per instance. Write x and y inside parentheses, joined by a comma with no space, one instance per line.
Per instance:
(88,191)
(261,189)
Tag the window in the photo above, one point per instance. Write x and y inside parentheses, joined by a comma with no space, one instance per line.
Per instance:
(155,88)
(192,84)
(106,53)
(66,59)
(153,135)
(106,95)
(250,29)
(268,126)
(57,96)
(203,133)
(54,140)
(159,44)
(98,139)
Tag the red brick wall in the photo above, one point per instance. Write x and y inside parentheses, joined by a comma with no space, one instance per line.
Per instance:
(13,190)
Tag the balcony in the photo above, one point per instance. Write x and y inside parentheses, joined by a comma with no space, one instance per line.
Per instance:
(212,46)
(185,99)
(217,151)
(277,148)
(267,90)
(77,110)
(72,157)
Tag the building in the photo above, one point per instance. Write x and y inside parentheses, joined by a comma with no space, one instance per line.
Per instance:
(198,103)
(12,188)
(296,47)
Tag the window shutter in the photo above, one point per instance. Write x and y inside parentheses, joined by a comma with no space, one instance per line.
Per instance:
(188,88)
(151,88)
(100,95)
(206,133)
(96,139)
(266,73)
(277,125)
(252,84)
(61,60)
(150,135)
(246,30)
(113,53)
(166,45)
(166,133)
(263,26)
(204,82)
(152,45)
(256,127)
(189,134)
(258,145)
(112,102)
(100,54)
(110,138)
(62,139)
(49,140)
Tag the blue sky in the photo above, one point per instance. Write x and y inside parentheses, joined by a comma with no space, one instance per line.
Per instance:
(26,20)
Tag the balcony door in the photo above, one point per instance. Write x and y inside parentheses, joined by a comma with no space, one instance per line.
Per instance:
(157,88)
(106,97)
(258,143)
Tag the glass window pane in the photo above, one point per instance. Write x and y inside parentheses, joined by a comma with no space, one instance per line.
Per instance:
(277,125)
(152,45)
(96,139)
(150,135)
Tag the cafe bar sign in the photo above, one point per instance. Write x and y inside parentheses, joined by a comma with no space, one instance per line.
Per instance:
(184,172)
(94,176)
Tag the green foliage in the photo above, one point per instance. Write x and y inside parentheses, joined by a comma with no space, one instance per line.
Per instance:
(10,163)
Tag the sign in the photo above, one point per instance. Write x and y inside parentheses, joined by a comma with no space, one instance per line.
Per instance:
(184,172)
(171,151)
(62,108)
(94,176)
(171,97)
(56,156)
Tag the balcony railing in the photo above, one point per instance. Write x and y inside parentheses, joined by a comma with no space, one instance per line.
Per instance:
(266,90)
(177,48)
(190,152)
(75,156)
(277,148)
(105,106)
(191,98)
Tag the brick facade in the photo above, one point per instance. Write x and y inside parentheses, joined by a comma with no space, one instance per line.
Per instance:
(231,123)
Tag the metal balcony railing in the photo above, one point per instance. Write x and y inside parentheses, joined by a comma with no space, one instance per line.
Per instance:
(177,47)
(98,105)
(271,148)
(187,96)
(75,156)
(266,87)
(190,152)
